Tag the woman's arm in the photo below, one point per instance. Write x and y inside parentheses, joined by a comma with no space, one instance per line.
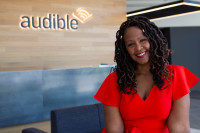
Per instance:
(113,120)
(178,121)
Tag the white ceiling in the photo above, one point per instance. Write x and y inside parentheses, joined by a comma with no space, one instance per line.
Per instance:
(177,21)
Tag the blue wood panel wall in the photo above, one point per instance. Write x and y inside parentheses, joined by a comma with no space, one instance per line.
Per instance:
(29,96)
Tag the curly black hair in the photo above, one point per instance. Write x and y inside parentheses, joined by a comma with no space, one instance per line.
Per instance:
(159,53)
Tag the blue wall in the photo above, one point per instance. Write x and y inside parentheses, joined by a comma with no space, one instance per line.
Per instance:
(29,96)
(185,43)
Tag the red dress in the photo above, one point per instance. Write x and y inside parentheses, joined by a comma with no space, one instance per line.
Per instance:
(150,115)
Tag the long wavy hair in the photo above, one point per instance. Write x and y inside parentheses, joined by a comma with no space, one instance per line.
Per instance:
(159,54)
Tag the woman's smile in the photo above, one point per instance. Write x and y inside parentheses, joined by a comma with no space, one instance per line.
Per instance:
(141,55)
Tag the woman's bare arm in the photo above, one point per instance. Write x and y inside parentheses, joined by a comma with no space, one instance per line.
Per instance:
(113,120)
(178,121)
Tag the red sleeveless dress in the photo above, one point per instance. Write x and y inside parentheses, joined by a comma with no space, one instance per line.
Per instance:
(150,115)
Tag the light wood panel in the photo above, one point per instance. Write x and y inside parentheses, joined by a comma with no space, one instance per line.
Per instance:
(90,45)
(43,125)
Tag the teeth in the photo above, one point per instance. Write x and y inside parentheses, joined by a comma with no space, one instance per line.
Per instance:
(141,54)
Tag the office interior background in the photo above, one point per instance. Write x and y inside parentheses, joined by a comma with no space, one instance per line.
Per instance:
(51,57)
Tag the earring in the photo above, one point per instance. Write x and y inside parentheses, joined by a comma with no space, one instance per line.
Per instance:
(143,30)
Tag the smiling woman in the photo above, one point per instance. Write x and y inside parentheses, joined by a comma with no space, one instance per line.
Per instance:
(145,94)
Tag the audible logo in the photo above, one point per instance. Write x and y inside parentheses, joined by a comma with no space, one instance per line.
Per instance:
(54,21)
(82,14)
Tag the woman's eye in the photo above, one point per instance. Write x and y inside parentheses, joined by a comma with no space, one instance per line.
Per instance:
(131,44)
(143,40)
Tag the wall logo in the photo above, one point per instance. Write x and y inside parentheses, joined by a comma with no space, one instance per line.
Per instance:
(82,14)
(55,22)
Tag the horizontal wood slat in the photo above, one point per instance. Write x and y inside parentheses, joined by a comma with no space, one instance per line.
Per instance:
(28,49)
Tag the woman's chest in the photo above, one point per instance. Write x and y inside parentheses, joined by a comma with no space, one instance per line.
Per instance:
(157,105)
(144,85)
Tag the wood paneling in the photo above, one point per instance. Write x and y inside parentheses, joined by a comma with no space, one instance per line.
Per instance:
(90,45)
(43,125)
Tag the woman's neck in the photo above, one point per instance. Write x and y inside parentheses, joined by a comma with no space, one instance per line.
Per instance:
(143,69)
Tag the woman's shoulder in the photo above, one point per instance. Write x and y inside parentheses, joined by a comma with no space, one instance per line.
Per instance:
(112,75)
(172,67)
(178,70)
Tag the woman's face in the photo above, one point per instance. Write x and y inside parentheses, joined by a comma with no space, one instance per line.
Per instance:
(137,45)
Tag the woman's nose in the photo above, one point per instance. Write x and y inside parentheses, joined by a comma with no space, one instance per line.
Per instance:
(138,46)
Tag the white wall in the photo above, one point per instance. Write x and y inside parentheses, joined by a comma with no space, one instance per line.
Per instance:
(189,20)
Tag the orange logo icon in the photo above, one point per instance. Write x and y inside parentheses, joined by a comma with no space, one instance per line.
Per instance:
(82,14)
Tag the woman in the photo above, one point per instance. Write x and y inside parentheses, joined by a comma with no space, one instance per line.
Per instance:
(145,94)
